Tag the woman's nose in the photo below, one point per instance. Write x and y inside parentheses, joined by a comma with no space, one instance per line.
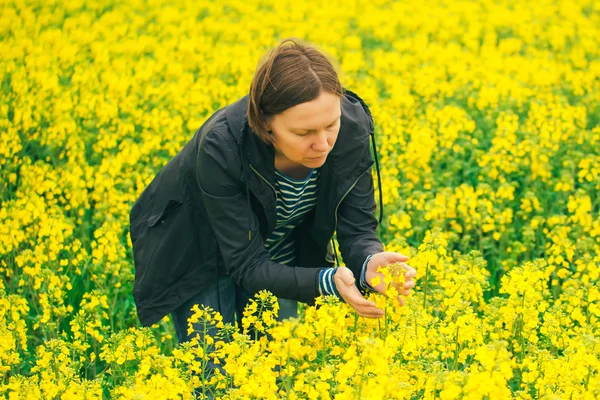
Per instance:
(321,143)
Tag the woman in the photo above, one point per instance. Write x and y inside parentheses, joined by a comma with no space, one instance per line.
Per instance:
(253,200)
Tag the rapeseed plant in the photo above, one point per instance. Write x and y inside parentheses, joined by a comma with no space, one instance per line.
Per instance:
(487,120)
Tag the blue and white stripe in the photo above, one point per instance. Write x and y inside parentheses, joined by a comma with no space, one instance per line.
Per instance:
(295,198)
(327,285)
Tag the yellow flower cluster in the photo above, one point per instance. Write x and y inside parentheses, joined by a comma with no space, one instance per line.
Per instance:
(487,121)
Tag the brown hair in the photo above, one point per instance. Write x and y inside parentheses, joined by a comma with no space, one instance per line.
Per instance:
(293,73)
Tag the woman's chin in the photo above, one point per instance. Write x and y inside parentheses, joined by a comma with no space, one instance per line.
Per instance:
(315,162)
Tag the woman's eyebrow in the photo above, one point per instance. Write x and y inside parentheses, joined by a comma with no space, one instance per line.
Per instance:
(306,129)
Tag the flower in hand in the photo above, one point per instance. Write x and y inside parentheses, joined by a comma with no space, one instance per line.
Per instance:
(387,270)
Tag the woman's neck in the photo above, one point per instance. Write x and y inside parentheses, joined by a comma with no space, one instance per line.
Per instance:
(291,169)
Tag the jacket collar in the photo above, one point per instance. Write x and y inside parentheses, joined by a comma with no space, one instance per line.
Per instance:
(258,153)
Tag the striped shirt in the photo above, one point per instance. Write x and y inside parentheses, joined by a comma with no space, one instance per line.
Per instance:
(295,198)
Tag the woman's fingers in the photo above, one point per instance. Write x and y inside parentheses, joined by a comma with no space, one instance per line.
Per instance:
(409,284)
(405,290)
(400,300)
(392,257)
(410,273)
(364,307)
(358,300)
(345,284)
(368,311)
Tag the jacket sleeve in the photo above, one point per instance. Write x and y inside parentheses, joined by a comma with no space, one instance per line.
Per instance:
(247,260)
(357,224)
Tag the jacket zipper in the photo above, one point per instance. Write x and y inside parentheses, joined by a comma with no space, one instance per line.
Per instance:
(338,204)
(266,181)
(346,194)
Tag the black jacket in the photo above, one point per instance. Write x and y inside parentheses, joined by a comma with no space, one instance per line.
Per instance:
(207,212)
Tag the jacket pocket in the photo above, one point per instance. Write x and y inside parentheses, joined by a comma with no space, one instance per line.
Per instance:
(169,246)
(162,213)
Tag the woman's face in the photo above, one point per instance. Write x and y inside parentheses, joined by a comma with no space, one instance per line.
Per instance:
(305,134)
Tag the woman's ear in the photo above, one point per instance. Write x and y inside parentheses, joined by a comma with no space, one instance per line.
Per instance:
(269,125)
(268,121)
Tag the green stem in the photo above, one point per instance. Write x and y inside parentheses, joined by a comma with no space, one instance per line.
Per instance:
(204,363)
(455,349)
(323,358)
(426,286)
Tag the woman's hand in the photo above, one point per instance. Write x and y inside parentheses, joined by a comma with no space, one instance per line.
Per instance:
(344,282)
(385,258)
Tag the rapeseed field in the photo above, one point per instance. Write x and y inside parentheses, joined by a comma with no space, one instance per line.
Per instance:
(487,117)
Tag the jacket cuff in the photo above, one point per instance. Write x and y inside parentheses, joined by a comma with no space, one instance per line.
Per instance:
(363,276)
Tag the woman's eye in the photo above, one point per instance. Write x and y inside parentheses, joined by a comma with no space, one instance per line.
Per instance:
(311,131)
